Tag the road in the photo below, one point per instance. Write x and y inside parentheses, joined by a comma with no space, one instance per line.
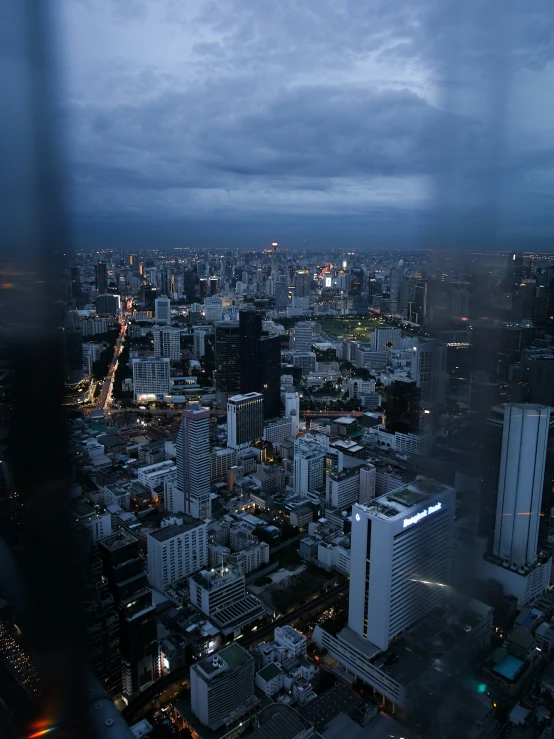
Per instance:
(133,712)
(105,397)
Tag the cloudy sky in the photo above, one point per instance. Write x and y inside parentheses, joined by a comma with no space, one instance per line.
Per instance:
(313,122)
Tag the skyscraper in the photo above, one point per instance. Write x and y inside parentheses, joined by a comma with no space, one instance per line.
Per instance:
(516,498)
(193,464)
(396,282)
(514,484)
(302,283)
(73,356)
(400,559)
(124,569)
(162,309)
(303,335)
(309,465)
(151,378)
(281,294)
(402,407)
(167,342)
(429,370)
(245,419)
(227,359)
(101,277)
(260,362)
(292,410)
(75,282)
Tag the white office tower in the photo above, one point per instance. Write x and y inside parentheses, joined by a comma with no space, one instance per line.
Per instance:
(167,342)
(191,493)
(343,489)
(245,420)
(176,551)
(222,687)
(162,309)
(292,410)
(151,378)
(385,338)
(303,335)
(309,465)
(213,309)
(368,478)
(400,559)
(520,485)
(429,371)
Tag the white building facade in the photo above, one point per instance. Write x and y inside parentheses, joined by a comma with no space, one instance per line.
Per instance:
(400,559)
(176,552)
(151,378)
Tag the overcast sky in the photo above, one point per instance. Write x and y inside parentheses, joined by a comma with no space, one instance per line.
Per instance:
(333,122)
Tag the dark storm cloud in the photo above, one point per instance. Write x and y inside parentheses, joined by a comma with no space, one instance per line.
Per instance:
(238,110)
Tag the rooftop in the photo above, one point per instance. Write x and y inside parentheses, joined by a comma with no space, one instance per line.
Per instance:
(168,532)
(270,671)
(404,500)
(508,667)
(118,540)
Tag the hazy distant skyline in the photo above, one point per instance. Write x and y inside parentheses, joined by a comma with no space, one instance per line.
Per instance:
(320,122)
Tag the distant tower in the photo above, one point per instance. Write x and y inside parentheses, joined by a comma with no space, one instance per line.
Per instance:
(162,309)
(102,277)
(274,262)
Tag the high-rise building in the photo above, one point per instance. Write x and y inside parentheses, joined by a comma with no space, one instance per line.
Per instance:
(162,309)
(309,465)
(167,342)
(108,305)
(429,370)
(124,570)
(75,282)
(281,294)
(368,479)
(516,454)
(227,357)
(260,362)
(73,356)
(396,283)
(151,378)
(222,686)
(516,497)
(213,307)
(302,283)
(303,335)
(520,484)
(292,410)
(193,464)
(343,488)
(101,277)
(386,338)
(400,559)
(199,342)
(176,551)
(245,419)
(402,407)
